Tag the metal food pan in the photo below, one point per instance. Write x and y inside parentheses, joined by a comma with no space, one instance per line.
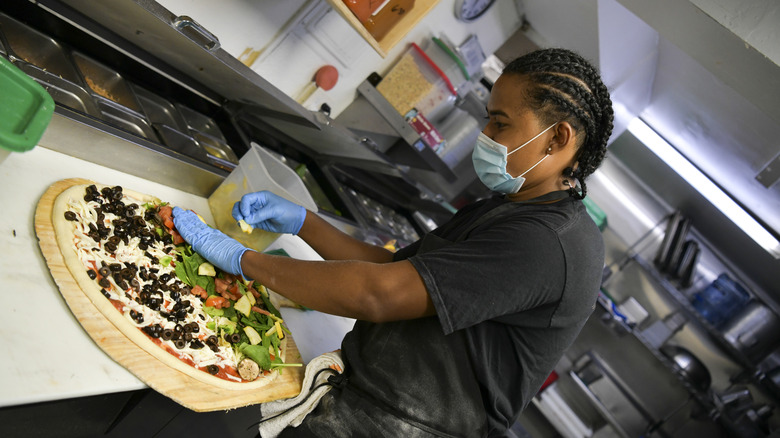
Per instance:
(219,151)
(178,141)
(63,92)
(159,111)
(127,120)
(200,122)
(106,83)
(29,45)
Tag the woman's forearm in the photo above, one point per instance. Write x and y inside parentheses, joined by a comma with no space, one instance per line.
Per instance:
(356,289)
(333,244)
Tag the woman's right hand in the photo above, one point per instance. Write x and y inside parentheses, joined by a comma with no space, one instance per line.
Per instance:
(270,212)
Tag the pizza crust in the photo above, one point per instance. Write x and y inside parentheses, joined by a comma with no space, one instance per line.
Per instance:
(63,230)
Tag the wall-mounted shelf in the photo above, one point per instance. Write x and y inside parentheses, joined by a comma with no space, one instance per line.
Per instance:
(678,294)
(396,34)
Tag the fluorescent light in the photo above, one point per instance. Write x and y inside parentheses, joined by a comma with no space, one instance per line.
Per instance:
(705,186)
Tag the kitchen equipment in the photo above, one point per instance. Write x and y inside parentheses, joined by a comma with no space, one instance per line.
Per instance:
(662,254)
(753,330)
(25,110)
(688,366)
(661,330)
(687,264)
(46,61)
(676,248)
(460,130)
(257,170)
(720,300)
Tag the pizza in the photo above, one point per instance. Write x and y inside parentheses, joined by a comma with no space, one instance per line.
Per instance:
(123,250)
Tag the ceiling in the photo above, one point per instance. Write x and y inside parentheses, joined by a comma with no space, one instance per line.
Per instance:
(703,74)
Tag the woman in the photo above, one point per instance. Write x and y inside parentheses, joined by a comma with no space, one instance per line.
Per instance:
(456,332)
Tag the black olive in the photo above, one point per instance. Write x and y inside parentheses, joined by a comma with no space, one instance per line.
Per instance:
(175,295)
(92,189)
(94,235)
(103,282)
(69,215)
(115,267)
(180,343)
(88,197)
(235,338)
(104,271)
(212,339)
(195,327)
(110,247)
(196,344)
(139,222)
(105,191)
(91,274)
(92,227)
(114,239)
(178,328)
(105,293)
(136,285)
(167,334)
(212,369)
(126,273)
(185,290)
(143,246)
(187,337)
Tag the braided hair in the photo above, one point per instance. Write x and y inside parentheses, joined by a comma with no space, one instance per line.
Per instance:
(563,86)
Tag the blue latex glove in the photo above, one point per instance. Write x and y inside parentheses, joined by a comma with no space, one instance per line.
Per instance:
(214,245)
(270,212)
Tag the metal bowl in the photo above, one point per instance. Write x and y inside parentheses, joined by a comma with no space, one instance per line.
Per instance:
(688,366)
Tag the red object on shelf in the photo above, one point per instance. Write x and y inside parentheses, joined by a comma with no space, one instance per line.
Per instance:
(428,133)
(549,381)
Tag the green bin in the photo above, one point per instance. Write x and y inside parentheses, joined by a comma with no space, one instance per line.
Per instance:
(25,110)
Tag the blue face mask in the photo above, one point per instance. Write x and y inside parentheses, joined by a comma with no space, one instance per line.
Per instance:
(490,158)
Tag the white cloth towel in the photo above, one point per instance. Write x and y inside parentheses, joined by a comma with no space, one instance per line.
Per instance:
(280,414)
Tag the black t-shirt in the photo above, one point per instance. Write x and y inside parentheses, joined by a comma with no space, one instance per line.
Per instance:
(511,294)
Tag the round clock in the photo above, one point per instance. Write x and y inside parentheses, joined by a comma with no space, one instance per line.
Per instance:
(470,10)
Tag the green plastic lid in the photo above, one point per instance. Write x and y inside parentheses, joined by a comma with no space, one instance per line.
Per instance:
(25,109)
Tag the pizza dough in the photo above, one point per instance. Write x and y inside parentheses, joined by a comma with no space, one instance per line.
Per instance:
(65,234)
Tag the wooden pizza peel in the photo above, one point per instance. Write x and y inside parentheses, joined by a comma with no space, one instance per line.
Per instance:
(181,388)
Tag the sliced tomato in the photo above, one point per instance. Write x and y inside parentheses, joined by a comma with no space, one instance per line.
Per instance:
(217,302)
(199,291)
(165,212)
(221,285)
(177,239)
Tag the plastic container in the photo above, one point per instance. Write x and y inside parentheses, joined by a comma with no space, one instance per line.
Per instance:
(257,170)
(25,110)
(416,82)
(721,300)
